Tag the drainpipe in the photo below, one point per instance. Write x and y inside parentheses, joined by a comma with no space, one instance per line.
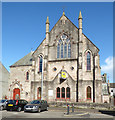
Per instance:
(94,78)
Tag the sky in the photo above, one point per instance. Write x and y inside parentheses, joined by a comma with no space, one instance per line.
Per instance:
(23,27)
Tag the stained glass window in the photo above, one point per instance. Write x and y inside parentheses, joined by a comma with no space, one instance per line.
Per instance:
(63,92)
(58,51)
(69,50)
(58,92)
(62,50)
(67,92)
(88,61)
(41,60)
(65,50)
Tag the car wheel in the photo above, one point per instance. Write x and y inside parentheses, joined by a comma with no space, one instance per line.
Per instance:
(1,108)
(19,109)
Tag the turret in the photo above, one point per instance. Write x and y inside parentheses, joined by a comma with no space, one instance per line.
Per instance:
(80,26)
(47,35)
(47,25)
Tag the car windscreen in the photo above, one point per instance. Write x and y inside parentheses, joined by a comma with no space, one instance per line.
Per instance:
(35,102)
(12,101)
(2,101)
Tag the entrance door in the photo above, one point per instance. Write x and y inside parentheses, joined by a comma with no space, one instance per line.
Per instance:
(39,93)
(16,93)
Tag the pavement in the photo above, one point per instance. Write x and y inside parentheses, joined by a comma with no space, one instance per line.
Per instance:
(57,112)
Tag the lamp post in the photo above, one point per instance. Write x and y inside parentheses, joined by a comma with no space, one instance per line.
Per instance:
(42,81)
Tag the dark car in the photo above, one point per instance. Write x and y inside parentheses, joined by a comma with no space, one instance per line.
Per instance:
(36,106)
(17,105)
(3,104)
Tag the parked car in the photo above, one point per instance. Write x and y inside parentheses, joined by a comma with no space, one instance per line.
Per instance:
(17,105)
(36,106)
(3,104)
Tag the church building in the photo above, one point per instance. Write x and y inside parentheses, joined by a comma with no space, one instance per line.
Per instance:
(64,67)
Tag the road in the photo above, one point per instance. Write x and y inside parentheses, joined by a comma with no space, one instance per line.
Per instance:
(56,113)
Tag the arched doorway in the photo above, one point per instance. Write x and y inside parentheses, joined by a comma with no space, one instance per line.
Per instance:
(16,93)
(39,93)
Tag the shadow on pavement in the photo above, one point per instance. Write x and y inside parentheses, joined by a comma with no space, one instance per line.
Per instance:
(109,112)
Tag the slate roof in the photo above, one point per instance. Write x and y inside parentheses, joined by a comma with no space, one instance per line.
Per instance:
(25,61)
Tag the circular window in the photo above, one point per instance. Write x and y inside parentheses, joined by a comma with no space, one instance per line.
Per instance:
(72,68)
(54,68)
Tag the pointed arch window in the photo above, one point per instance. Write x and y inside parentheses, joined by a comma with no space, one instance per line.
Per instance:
(68,93)
(27,76)
(69,50)
(62,50)
(58,92)
(58,50)
(63,92)
(40,65)
(88,92)
(88,61)
(64,47)
(65,50)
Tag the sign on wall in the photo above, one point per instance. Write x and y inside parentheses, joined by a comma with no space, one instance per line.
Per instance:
(63,75)
(50,92)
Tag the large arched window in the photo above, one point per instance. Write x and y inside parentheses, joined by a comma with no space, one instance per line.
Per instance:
(62,50)
(88,61)
(88,92)
(63,92)
(64,47)
(65,50)
(40,65)
(69,50)
(68,93)
(27,76)
(58,92)
(58,50)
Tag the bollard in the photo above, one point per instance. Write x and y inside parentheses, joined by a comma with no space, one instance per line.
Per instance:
(72,107)
(67,109)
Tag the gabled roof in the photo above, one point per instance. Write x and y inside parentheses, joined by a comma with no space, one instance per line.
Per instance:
(3,68)
(72,24)
(59,20)
(25,61)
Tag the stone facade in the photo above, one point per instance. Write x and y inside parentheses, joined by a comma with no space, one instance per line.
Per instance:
(4,78)
(55,61)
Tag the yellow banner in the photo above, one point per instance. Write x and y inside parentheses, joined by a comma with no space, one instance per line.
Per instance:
(63,75)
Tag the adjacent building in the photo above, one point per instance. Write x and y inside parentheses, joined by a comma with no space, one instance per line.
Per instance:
(112,93)
(4,78)
(64,67)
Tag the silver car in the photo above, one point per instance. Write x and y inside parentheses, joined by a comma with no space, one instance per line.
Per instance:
(36,106)
(3,104)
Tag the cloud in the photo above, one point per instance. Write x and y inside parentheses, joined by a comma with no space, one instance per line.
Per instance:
(108,67)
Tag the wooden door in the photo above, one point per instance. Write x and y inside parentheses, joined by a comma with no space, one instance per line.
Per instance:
(16,93)
(39,93)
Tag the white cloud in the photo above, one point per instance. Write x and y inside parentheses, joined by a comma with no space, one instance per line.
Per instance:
(108,67)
